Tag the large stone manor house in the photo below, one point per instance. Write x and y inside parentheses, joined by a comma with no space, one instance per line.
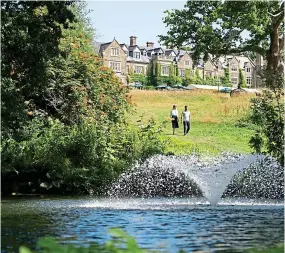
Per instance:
(122,57)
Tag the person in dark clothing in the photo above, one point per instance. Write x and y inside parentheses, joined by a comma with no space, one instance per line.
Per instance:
(174,117)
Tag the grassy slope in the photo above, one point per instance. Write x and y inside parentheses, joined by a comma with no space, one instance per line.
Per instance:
(213,119)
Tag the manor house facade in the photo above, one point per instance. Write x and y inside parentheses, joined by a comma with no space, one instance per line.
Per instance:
(124,57)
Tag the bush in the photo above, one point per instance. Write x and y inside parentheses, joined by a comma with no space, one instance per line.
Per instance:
(267,114)
(60,128)
(81,158)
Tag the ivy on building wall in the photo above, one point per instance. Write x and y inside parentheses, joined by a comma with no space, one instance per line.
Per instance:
(135,77)
(242,82)
(209,80)
(158,80)
(140,78)
(176,71)
(168,80)
(171,70)
(226,78)
(150,74)
(157,69)
(187,73)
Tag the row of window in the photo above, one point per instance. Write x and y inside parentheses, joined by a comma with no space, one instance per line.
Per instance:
(116,66)
(137,55)
(234,80)
(165,71)
(115,52)
(137,69)
(235,68)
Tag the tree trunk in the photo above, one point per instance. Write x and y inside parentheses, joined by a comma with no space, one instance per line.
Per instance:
(275,55)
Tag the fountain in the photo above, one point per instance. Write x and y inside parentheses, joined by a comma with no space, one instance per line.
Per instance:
(221,206)
(210,177)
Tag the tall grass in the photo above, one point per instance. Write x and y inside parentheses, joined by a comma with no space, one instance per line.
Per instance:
(213,117)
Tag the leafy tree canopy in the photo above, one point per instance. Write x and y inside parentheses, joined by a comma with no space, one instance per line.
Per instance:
(30,36)
(50,67)
(219,28)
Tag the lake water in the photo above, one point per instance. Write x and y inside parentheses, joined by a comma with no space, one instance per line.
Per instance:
(163,224)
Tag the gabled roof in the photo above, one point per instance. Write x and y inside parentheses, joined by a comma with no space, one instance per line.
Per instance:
(179,52)
(103,46)
(210,60)
(132,48)
(182,54)
(241,59)
(124,45)
(169,51)
(158,49)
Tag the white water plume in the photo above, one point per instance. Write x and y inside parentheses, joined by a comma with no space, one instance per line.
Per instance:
(169,176)
(213,180)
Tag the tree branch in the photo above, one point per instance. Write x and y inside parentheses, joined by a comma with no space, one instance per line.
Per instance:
(239,50)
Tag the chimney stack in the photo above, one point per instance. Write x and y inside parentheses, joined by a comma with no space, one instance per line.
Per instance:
(149,44)
(133,40)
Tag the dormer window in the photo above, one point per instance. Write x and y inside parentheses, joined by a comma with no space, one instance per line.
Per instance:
(144,53)
(248,70)
(137,55)
(114,51)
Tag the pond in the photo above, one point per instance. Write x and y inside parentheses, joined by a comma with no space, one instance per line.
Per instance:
(163,224)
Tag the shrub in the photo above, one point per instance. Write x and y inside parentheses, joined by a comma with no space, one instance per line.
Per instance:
(267,114)
(81,158)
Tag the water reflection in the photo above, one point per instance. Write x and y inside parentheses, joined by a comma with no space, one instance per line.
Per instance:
(162,224)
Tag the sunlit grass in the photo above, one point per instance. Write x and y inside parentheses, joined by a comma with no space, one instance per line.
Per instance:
(214,116)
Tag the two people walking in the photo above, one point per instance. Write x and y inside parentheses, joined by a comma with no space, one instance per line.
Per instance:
(185,118)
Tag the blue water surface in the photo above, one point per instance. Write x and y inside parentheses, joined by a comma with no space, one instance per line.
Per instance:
(162,224)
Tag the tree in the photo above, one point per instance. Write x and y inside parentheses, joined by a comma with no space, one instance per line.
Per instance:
(68,103)
(217,28)
(80,85)
(30,36)
(267,114)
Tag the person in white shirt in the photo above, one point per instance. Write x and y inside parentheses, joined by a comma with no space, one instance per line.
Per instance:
(185,118)
(174,117)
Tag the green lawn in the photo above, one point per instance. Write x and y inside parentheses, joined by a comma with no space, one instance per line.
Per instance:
(214,117)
